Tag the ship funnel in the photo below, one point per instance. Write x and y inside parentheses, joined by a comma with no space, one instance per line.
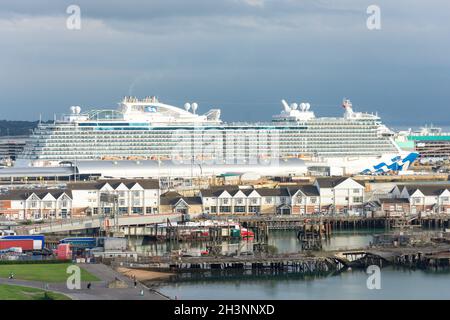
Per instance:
(303,106)
(187,106)
(294,106)
(307,106)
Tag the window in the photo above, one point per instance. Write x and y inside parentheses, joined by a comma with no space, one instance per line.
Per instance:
(136,193)
(254,209)
(254,201)
(239,209)
(148,210)
(136,202)
(356,191)
(239,201)
(121,202)
(64,203)
(121,194)
(225,201)
(137,210)
(48,204)
(357,199)
(106,210)
(416,200)
(123,210)
(213,209)
(299,200)
(313,200)
(225,209)
(33,204)
(268,200)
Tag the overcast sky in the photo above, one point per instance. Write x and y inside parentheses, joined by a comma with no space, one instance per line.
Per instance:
(242,56)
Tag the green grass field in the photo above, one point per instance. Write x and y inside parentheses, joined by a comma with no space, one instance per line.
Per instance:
(42,272)
(10,292)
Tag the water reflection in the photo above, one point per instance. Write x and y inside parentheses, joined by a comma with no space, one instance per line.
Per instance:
(284,241)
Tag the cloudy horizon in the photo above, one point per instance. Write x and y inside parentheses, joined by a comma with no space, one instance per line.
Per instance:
(242,56)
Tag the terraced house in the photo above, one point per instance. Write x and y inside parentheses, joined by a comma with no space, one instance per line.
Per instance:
(326,195)
(133,196)
(139,197)
(420,199)
(36,204)
(340,195)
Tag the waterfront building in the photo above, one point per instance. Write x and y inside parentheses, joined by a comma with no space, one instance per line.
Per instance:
(36,204)
(424,199)
(245,200)
(340,195)
(134,197)
(143,197)
(173,202)
(304,199)
(394,207)
(326,196)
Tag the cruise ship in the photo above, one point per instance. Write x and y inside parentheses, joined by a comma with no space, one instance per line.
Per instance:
(147,129)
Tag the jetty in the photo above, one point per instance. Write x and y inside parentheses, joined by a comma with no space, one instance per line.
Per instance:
(320,262)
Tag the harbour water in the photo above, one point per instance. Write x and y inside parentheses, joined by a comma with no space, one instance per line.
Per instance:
(349,285)
(395,283)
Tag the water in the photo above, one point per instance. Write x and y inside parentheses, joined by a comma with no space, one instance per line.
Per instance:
(395,283)
(350,285)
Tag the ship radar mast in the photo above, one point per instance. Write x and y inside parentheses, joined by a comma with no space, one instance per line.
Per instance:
(347,105)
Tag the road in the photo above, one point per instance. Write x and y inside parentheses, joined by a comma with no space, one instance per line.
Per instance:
(99,289)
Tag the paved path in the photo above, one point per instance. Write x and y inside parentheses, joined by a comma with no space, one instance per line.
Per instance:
(99,289)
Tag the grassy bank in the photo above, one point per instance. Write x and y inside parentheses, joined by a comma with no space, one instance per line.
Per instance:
(10,292)
(42,272)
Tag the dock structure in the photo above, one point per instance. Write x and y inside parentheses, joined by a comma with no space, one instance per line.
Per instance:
(313,263)
(311,235)
(301,263)
(341,222)
(293,222)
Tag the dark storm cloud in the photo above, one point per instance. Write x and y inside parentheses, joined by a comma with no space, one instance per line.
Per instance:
(240,55)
